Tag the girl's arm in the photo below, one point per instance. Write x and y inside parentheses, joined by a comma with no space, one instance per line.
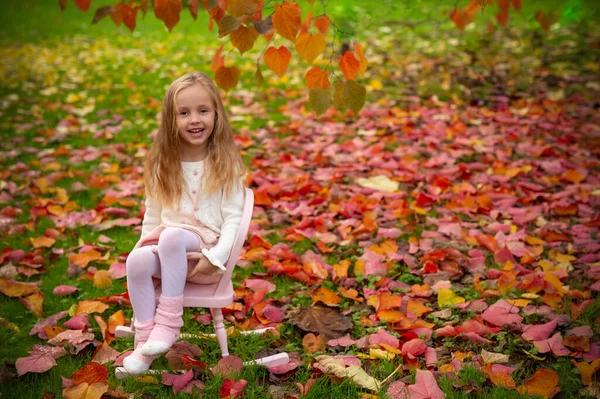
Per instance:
(231,209)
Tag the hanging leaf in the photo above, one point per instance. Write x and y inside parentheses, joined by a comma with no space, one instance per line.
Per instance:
(243,38)
(264,26)
(546,20)
(286,19)
(258,76)
(278,59)
(84,5)
(350,95)
(362,60)
(193,7)
(62,4)
(349,65)
(310,46)
(237,8)
(316,77)
(227,77)
(217,60)
(102,12)
(228,24)
(322,23)
(168,12)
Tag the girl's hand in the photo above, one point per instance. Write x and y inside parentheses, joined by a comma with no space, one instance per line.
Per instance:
(203,266)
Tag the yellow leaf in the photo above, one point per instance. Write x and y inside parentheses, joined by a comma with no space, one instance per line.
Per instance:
(521,303)
(102,279)
(227,77)
(587,370)
(243,38)
(278,59)
(319,99)
(555,282)
(34,302)
(573,176)
(83,259)
(310,46)
(350,95)
(448,297)
(381,354)
(89,306)
(42,242)
(381,182)
(286,19)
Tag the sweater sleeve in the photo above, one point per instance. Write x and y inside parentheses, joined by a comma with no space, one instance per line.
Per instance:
(231,210)
(151,217)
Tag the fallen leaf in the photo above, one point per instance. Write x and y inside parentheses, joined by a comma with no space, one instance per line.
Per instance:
(356,373)
(425,387)
(544,382)
(323,320)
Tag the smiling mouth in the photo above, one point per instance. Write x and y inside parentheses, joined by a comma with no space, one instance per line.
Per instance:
(196,132)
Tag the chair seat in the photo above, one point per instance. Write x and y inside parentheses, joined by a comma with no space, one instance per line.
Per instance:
(203,295)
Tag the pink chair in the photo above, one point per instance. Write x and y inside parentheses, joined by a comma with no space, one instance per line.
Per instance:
(216,296)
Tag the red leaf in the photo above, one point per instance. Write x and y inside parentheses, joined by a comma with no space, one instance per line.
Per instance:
(554,345)
(178,381)
(425,387)
(91,373)
(502,313)
(231,365)
(539,332)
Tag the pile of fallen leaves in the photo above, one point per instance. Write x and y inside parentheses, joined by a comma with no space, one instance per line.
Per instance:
(435,236)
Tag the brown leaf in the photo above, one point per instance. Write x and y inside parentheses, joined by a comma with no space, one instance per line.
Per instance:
(323,320)
(544,383)
(314,343)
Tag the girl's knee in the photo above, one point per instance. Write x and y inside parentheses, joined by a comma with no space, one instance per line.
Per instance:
(171,239)
(141,261)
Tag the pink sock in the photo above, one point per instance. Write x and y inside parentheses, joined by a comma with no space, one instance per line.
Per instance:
(136,363)
(168,322)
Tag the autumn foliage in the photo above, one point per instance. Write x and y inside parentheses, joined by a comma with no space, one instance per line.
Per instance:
(243,22)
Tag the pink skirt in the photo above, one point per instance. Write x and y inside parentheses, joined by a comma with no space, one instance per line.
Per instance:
(207,238)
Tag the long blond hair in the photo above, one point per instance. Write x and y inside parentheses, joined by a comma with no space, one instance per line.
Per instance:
(223,165)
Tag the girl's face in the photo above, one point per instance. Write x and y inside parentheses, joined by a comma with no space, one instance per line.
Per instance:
(195,121)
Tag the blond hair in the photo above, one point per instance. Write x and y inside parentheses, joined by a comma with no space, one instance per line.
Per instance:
(223,165)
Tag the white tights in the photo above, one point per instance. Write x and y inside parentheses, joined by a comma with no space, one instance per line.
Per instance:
(171,262)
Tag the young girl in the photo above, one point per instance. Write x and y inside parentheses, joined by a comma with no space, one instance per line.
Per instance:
(194,198)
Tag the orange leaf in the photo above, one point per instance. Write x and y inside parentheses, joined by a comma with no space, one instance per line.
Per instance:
(572,175)
(310,46)
(91,373)
(14,288)
(417,307)
(316,77)
(391,316)
(362,59)
(544,382)
(587,370)
(88,306)
(34,303)
(350,294)
(168,12)
(227,77)
(117,319)
(243,38)
(83,259)
(554,281)
(388,301)
(286,19)
(278,60)
(237,8)
(502,379)
(43,241)
(84,5)
(340,270)
(487,241)
(349,65)
(326,296)
(217,60)
(314,343)
(322,24)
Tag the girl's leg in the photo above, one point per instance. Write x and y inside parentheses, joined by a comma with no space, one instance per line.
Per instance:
(141,264)
(173,245)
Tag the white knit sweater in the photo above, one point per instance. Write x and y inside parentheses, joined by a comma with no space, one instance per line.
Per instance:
(220,214)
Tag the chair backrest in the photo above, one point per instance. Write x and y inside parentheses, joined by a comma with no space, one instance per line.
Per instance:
(238,243)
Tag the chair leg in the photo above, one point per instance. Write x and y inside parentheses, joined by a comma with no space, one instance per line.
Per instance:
(220,330)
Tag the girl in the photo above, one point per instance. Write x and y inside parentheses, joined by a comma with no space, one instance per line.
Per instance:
(194,198)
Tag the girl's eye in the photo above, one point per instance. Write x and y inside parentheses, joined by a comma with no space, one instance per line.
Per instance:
(183,113)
